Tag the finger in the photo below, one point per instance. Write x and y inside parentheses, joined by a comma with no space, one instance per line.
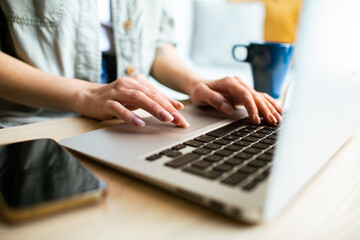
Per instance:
(214,99)
(141,100)
(143,85)
(241,95)
(272,109)
(176,104)
(266,110)
(116,109)
(278,108)
(165,102)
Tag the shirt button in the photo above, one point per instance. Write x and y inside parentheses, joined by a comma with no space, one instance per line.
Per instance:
(130,70)
(128,25)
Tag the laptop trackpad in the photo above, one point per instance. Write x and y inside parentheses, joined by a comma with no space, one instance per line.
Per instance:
(197,117)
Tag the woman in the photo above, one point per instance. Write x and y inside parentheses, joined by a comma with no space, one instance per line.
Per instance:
(54,55)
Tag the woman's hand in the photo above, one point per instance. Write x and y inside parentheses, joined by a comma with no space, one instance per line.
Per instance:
(118,98)
(224,94)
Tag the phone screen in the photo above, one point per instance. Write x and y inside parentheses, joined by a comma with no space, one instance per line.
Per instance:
(39,171)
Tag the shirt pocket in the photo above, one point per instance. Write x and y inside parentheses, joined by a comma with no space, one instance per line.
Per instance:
(33,12)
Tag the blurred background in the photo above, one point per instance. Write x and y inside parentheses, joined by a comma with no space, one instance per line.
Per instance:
(206,31)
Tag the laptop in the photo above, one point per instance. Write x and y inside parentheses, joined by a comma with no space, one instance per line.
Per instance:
(245,171)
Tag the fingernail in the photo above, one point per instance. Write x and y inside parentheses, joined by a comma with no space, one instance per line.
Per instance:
(138,122)
(225,107)
(257,119)
(278,116)
(272,119)
(165,116)
(180,120)
(181,106)
(281,110)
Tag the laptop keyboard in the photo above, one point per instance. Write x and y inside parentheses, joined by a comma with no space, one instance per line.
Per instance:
(238,154)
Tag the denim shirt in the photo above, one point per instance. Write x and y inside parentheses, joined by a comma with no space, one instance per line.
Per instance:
(62,37)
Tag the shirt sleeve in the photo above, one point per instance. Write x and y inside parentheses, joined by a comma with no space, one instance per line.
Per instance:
(166,33)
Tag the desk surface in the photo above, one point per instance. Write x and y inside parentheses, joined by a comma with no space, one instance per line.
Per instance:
(328,207)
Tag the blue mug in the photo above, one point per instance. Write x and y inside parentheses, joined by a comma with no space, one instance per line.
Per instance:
(270,62)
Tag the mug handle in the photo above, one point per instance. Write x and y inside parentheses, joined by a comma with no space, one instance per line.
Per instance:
(246,59)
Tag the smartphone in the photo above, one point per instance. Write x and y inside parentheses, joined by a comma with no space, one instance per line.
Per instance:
(40,177)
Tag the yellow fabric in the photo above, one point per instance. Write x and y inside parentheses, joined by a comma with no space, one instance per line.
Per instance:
(281,19)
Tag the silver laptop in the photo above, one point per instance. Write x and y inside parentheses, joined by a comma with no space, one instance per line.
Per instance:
(250,172)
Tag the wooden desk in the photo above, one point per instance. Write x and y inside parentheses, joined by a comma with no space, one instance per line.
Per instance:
(328,208)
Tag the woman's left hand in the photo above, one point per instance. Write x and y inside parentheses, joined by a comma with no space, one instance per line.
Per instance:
(224,94)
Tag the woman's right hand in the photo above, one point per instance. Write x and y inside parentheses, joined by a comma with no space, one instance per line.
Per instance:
(118,98)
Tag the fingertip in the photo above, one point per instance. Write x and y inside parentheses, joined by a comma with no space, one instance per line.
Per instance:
(273,120)
(278,117)
(179,120)
(257,119)
(226,108)
(137,121)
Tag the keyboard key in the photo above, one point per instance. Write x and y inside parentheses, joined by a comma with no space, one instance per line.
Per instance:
(222,168)
(213,158)
(274,128)
(202,164)
(261,177)
(247,130)
(257,135)
(153,157)
(239,133)
(164,152)
(194,170)
(173,153)
(212,174)
(212,146)
(252,150)
(224,153)
(228,128)
(205,139)
(222,142)
(209,174)
(242,143)
(272,136)
(233,148)
(250,186)
(270,151)
(257,163)
(234,179)
(182,160)
(268,141)
(178,147)
(250,139)
(231,137)
(202,151)
(260,145)
(193,143)
(243,155)
(234,161)
(266,131)
(247,170)
(265,157)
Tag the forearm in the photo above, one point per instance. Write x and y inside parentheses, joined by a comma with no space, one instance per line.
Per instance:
(24,84)
(172,72)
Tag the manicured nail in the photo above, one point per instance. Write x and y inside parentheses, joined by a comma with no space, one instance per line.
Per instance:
(273,119)
(257,119)
(180,120)
(181,106)
(138,122)
(165,116)
(278,116)
(226,108)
